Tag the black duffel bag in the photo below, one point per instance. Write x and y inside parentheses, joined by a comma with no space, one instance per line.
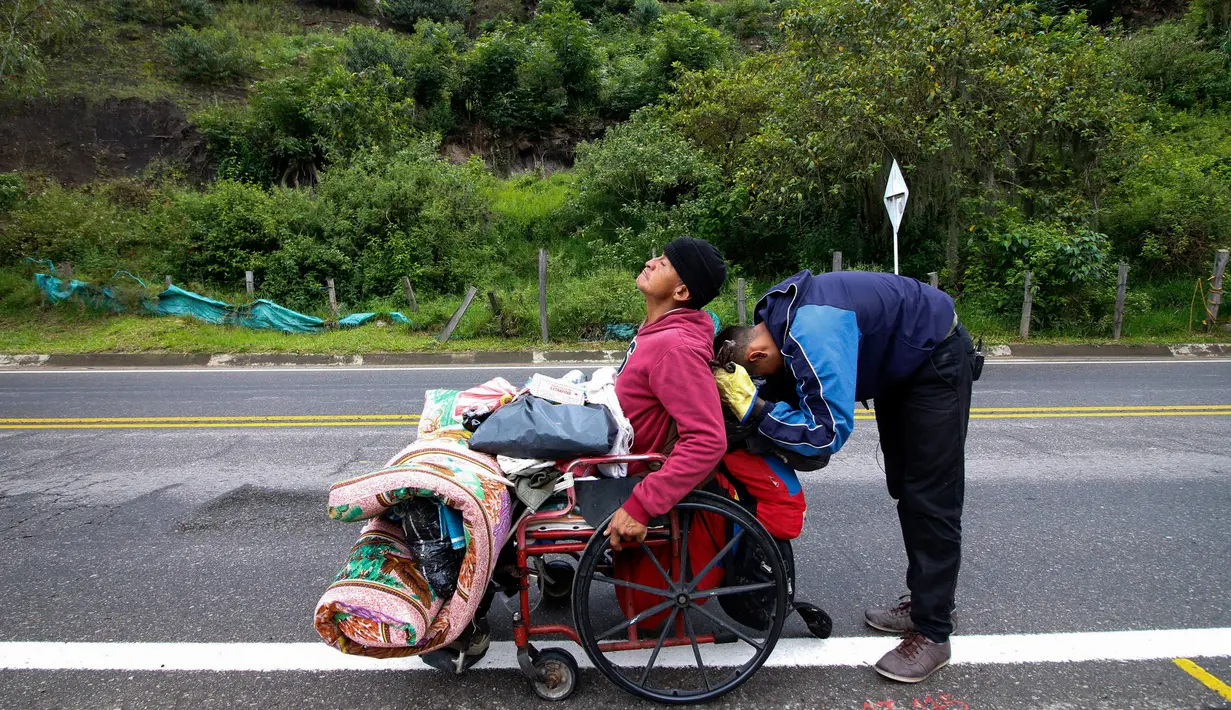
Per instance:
(534,428)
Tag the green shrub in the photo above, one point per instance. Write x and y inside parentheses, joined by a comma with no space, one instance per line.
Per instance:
(646,12)
(298,124)
(513,80)
(169,13)
(12,189)
(744,18)
(572,44)
(211,55)
(223,231)
(529,77)
(1069,267)
(428,63)
(1175,65)
(410,213)
(643,161)
(683,43)
(1168,209)
(403,14)
(18,293)
(88,229)
(628,84)
(580,307)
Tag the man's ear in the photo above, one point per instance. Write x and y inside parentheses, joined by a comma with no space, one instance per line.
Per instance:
(757,355)
(681,293)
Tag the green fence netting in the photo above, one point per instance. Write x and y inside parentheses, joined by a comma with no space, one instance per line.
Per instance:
(175,301)
(358,319)
(55,290)
(260,314)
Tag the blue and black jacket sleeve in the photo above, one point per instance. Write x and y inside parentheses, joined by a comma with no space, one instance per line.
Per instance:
(820,348)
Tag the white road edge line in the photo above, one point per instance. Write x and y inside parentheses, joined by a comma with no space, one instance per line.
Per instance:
(790,653)
(521,366)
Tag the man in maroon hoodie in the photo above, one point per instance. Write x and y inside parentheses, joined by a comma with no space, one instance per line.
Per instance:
(666,378)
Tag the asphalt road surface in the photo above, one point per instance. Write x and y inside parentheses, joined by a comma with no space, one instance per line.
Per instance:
(187,508)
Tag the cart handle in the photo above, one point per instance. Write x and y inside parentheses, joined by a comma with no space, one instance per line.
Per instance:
(654,461)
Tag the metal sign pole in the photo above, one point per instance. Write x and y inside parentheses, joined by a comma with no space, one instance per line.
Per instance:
(896,194)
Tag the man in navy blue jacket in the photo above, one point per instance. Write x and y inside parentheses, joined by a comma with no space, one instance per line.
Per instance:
(839,338)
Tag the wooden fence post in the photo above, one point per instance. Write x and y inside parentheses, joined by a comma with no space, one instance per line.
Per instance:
(491,298)
(837,261)
(166,282)
(410,295)
(1121,287)
(934,279)
(333,297)
(457,316)
(1027,302)
(66,271)
(543,293)
(741,303)
(250,284)
(1220,266)
(653,253)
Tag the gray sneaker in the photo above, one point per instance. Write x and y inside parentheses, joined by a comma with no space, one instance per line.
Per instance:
(894,619)
(916,658)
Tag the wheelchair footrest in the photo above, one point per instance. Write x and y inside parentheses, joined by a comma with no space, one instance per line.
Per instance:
(818,622)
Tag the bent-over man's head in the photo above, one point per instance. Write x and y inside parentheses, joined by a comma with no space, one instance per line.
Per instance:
(689,274)
(750,346)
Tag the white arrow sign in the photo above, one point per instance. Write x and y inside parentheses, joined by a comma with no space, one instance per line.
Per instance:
(896,194)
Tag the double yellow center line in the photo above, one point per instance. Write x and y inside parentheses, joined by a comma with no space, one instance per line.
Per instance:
(407,420)
(411,420)
(1150,410)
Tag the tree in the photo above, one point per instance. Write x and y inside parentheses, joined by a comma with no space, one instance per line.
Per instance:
(979,101)
(27,28)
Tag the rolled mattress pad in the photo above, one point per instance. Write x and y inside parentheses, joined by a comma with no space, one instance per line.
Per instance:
(380,604)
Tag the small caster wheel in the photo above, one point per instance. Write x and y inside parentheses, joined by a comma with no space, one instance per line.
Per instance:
(816,619)
(558,581)
(555,674)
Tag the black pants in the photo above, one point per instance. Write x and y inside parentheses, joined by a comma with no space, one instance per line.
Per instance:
(922,424)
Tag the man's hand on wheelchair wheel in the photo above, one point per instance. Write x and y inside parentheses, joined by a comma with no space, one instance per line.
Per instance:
(624,528)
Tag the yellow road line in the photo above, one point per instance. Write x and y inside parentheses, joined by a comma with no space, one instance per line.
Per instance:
(1136,407)
(271,418)
(1079,415)
(215,425)
(1205,677)
(1176,410)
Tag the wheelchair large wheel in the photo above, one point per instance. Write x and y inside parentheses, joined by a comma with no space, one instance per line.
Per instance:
(669,665)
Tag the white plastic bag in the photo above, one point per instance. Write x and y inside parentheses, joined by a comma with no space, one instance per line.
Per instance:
(601,390)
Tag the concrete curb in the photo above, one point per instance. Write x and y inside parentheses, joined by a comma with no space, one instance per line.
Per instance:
(537,357)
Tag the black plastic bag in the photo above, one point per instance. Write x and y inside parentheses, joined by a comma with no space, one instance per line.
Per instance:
(533,428)
(438,561)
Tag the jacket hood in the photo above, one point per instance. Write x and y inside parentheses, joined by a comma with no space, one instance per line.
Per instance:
(774,308)
(692,323)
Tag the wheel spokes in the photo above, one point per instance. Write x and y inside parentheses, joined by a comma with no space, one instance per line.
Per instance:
(740,634)
(662,606)
(662,637)
(600,577)
(657,565)
(724,591)
(721,554)
(686,526)
(696,650)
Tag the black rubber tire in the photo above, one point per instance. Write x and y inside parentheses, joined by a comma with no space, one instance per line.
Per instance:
(560,669)
(753,533)
(560,589)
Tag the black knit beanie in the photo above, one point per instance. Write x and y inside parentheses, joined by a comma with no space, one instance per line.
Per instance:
(700,267)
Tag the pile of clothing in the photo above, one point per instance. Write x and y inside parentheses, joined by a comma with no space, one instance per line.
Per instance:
(439,512)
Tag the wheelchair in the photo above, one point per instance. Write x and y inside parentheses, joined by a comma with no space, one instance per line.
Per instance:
(672,647)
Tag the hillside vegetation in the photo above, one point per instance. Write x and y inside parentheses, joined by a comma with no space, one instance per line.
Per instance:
(449,140)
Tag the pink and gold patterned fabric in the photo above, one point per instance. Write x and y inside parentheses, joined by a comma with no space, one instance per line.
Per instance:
(379,604)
